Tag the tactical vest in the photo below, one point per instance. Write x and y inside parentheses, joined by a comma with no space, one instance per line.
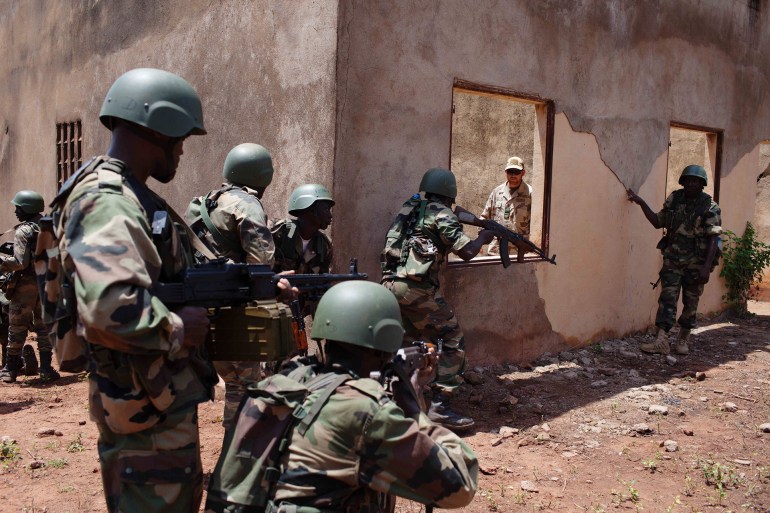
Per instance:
(202,224)
(286,256)
(411,249)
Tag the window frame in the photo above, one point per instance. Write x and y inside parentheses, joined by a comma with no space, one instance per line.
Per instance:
(719,135)
(468,87)
(69,149)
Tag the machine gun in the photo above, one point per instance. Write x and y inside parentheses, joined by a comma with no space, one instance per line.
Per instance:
(217,284)
(523,245)
(247,323)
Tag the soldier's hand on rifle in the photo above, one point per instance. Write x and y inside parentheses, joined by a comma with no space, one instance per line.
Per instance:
(196,324)
(286,293)
(486,235)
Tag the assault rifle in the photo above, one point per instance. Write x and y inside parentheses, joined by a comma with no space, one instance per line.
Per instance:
(523,245)
(217,284)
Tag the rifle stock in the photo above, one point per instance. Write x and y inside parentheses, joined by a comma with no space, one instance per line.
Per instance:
(506,236)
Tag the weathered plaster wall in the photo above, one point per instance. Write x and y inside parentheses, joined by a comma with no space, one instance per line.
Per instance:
(619,73)
(762,211)
(265,70)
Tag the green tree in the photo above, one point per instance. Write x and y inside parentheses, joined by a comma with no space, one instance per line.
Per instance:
(744,260)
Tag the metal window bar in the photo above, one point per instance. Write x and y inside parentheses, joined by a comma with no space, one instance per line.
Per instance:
(69,149)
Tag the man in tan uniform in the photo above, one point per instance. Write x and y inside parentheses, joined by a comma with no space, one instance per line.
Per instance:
(510,203)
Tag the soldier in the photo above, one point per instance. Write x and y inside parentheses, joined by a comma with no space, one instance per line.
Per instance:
(300,245)
(233,224)
(418,243)
(146,371)
(24,309)
(358,446)
(692,220)
(510,203)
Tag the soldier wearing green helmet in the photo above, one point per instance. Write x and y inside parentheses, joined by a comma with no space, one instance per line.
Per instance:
(690,248)
(361,442)
(24,308)
(147,372)
(300,245)
(417,244)
(232,222)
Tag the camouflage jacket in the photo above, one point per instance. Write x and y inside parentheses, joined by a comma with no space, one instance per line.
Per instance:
(139,367)
(23,247)
(511,209)
(289,255)
(415,249)
(237,215)
(695,221)
(362,450)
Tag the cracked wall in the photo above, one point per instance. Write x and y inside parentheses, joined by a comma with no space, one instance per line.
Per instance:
(619,73)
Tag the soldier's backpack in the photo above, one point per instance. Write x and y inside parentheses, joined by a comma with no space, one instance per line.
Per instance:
(410,248)
(249,465)
(57,293)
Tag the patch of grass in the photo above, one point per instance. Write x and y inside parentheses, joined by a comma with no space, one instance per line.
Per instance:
(57,463)
(66,489)
(77,444)
(652,463)
(721,477)
(628,494)
(9,451)
(52,445)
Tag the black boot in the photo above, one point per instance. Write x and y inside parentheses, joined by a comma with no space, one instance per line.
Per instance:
(47,372)
(30,360)
(440,413)
(11,370)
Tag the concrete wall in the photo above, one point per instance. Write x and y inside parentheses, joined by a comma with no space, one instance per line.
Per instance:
(264,69)
(619,72)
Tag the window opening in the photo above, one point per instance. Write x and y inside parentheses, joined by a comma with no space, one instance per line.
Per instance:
(489,126)
(69,150)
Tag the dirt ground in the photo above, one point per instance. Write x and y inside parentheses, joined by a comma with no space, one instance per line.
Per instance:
(602,428)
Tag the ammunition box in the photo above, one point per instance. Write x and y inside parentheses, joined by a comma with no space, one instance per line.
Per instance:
(260,331)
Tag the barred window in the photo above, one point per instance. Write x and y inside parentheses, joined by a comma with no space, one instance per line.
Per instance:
(691,144)
(69,149)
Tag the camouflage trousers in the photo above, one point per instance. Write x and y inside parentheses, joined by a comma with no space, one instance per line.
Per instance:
(673,278)
(427,316)
(237,377)
(155,470)
(24,313)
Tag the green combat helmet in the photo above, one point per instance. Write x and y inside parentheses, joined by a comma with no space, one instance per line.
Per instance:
(305,195)
(249,164)
(693,170)
(439,181)
(29,201)
(361,313)
(154,99)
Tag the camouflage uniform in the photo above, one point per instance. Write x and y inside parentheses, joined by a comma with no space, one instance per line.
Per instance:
(289,255)
(685,255)
(361,451)
(145,385)
(412,274)
(510,208)
(238,215)
(24,310)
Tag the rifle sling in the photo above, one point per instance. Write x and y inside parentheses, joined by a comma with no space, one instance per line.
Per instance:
(194,240)
(228,242)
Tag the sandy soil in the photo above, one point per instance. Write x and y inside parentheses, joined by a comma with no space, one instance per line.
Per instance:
(561,434)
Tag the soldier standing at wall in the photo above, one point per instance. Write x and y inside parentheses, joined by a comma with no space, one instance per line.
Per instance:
(692,220)
(418,242)
(356,445)
(233,224)
(146,371)
(510,203)
(24,309)
(300,245)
